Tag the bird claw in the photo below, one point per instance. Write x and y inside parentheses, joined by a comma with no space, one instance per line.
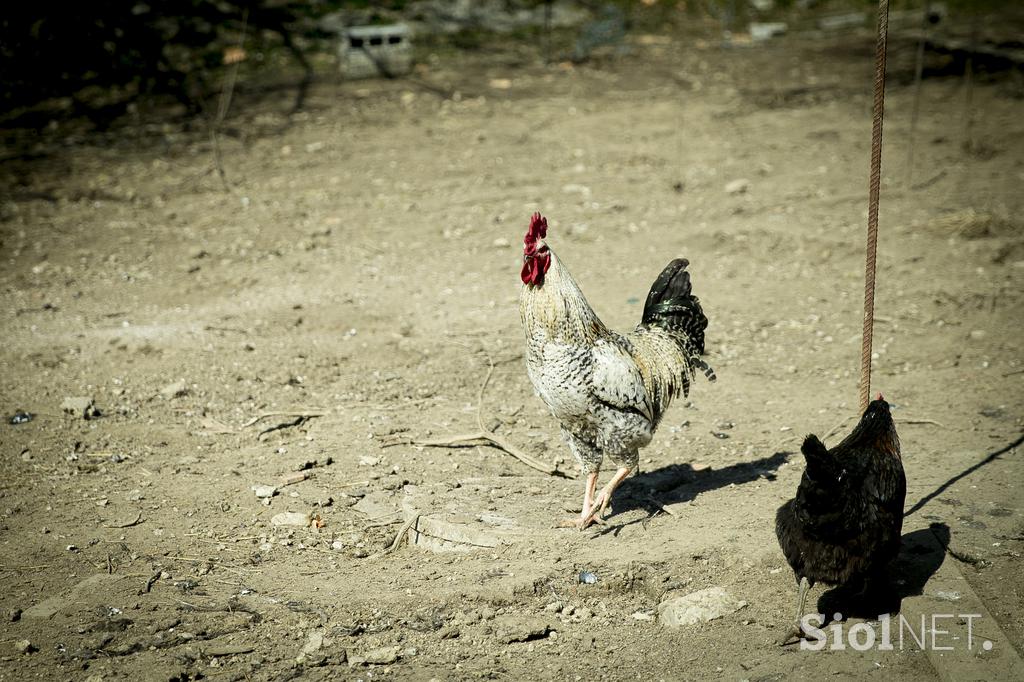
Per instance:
(792,636)
(580,524)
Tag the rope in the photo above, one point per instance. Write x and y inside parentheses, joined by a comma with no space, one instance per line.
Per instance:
(873,188)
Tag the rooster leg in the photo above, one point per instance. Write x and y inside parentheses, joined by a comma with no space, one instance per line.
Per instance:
(588,500)
(596,512)
(797,632)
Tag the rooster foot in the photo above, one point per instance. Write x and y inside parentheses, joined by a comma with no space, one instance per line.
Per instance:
(580,523)
(793,635)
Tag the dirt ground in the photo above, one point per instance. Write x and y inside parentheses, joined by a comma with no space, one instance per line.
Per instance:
(362,270)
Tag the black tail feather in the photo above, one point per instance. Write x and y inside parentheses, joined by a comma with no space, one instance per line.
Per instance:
(672,305)
(820,464)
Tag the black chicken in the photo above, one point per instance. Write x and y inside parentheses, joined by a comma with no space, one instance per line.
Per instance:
(843,527)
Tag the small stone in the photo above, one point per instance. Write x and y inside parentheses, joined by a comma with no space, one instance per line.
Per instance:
(698,607)
(584,613)
(368,461)
(20,417)
(381,656)
(314,642)
(14,615)
(264,491)
(23,646)
(501,243)
(337,545)
(523,630)
(978,334)
(642,615)
(738,186)
(174,390)
(81,407)
(290,519)
(554,607)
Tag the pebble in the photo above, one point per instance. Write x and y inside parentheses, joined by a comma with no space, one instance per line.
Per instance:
(381,656)
(698,607)
(264,491)
(738,186)
(20,417)
(314,642)
(23,646)
(14,615)
(174,390)
(523,631)
(290,519)
(502,243)
(81,407)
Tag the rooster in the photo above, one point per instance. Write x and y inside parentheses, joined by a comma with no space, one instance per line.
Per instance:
(608,390)
(843,527)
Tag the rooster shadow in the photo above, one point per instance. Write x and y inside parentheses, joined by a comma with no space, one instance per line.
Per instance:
(921,554)
(678,483)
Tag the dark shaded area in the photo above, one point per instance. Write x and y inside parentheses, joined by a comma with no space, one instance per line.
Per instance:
(681,483)
(921,554)
(105,55)
(966,472)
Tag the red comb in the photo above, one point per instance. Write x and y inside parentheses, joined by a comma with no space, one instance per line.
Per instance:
(538,228)
(879,397)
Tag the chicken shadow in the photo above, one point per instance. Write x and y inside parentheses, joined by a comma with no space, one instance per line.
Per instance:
(679,483)
(921,554)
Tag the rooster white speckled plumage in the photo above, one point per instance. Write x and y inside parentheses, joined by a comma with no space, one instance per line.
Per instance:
(609,391)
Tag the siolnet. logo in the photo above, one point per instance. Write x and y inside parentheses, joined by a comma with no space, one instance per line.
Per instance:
(939,632)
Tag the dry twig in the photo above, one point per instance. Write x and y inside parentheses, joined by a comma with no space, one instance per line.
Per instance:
(409,523)
(486,435)
(304,414)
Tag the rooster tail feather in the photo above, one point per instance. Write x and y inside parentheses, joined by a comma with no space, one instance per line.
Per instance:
(672,306)
(706,368)
(820,464)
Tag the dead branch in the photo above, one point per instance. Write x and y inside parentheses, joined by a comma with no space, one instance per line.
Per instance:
(409,523)
(485,435)
(304,414)
(222,109)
